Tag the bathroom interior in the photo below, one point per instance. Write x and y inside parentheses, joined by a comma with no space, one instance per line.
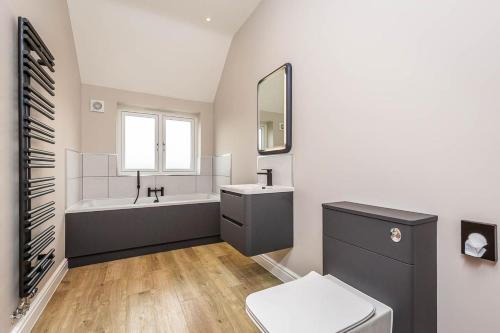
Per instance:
(249,166)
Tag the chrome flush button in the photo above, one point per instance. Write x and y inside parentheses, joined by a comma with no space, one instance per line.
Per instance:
(395,235)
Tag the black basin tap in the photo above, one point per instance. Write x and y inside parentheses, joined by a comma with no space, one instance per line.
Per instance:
(269,174)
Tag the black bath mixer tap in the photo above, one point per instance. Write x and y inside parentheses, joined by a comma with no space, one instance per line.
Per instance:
(155,191)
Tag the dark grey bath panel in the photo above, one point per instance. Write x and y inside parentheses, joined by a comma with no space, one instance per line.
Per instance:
(139,251)
(108,231)
(257,223)
(358,249)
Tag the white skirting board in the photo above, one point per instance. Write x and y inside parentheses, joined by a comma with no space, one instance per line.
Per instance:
(275,268)
(25,324)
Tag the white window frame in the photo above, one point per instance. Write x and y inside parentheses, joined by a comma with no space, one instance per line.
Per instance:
(144,115)
(160,117)
(193,143)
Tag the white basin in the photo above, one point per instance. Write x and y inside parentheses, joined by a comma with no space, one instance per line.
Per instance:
(256,188)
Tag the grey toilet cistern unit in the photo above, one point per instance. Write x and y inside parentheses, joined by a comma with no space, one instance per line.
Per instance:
(380,277)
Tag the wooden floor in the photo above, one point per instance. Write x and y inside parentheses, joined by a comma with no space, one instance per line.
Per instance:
(199,289)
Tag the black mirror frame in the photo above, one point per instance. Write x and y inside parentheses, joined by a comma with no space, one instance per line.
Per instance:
(288,129)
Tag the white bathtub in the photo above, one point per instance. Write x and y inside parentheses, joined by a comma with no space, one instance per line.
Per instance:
(128,203)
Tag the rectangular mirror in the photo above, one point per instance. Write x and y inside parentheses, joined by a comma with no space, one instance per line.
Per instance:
(274,112)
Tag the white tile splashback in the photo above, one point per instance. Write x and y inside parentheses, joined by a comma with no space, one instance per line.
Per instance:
(126,186)
(219,181)
(204,184)
(122,187)
(95,165)
(282,165)
(221,171)
(206,166)
(176,184)
(101,180)
(73,164)
(222,165)
(112,165)
(73,191)
(95,187)
(73,177)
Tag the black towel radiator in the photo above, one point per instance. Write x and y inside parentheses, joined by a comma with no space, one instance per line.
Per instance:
(36,86)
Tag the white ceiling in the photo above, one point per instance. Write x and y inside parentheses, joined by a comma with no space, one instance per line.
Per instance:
(161,47)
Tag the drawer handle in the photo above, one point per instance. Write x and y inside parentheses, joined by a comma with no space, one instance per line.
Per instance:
(231,193)
(232,221)
(396,235)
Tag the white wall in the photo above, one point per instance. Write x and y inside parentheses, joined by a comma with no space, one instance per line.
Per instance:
(99,129)
(395,103)
(50,18)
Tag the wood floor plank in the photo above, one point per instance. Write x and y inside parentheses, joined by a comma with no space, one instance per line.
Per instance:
(193,290)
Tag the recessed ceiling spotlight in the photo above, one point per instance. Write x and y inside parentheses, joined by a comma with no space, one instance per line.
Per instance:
(208,19)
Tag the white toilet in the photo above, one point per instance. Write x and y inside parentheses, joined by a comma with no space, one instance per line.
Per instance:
(380,277)
(318,304)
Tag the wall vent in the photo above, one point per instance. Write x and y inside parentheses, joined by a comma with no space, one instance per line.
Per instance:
(96,105)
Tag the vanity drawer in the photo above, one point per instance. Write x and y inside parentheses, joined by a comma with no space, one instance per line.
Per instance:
(232,205)
(370,233)
(233,233)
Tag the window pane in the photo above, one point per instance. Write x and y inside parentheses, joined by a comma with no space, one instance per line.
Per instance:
(140,142)
(178,144)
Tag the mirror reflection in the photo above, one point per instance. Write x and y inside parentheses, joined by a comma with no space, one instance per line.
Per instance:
(274,108)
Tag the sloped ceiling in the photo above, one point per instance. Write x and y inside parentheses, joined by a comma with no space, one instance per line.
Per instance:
(161,47)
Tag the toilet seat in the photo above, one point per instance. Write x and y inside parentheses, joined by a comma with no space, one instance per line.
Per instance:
(313,303)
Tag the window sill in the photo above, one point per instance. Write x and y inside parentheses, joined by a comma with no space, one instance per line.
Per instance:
(153,173)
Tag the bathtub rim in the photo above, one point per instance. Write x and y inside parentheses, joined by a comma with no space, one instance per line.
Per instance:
(75,208)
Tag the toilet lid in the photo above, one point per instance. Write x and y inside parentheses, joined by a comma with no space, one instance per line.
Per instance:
(312,303)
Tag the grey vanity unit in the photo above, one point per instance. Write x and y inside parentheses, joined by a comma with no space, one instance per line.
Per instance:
(256,223)
(388,254)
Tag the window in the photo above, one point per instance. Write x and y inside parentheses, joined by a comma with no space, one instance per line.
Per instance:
(140,138)
(178,143)
(144,132)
